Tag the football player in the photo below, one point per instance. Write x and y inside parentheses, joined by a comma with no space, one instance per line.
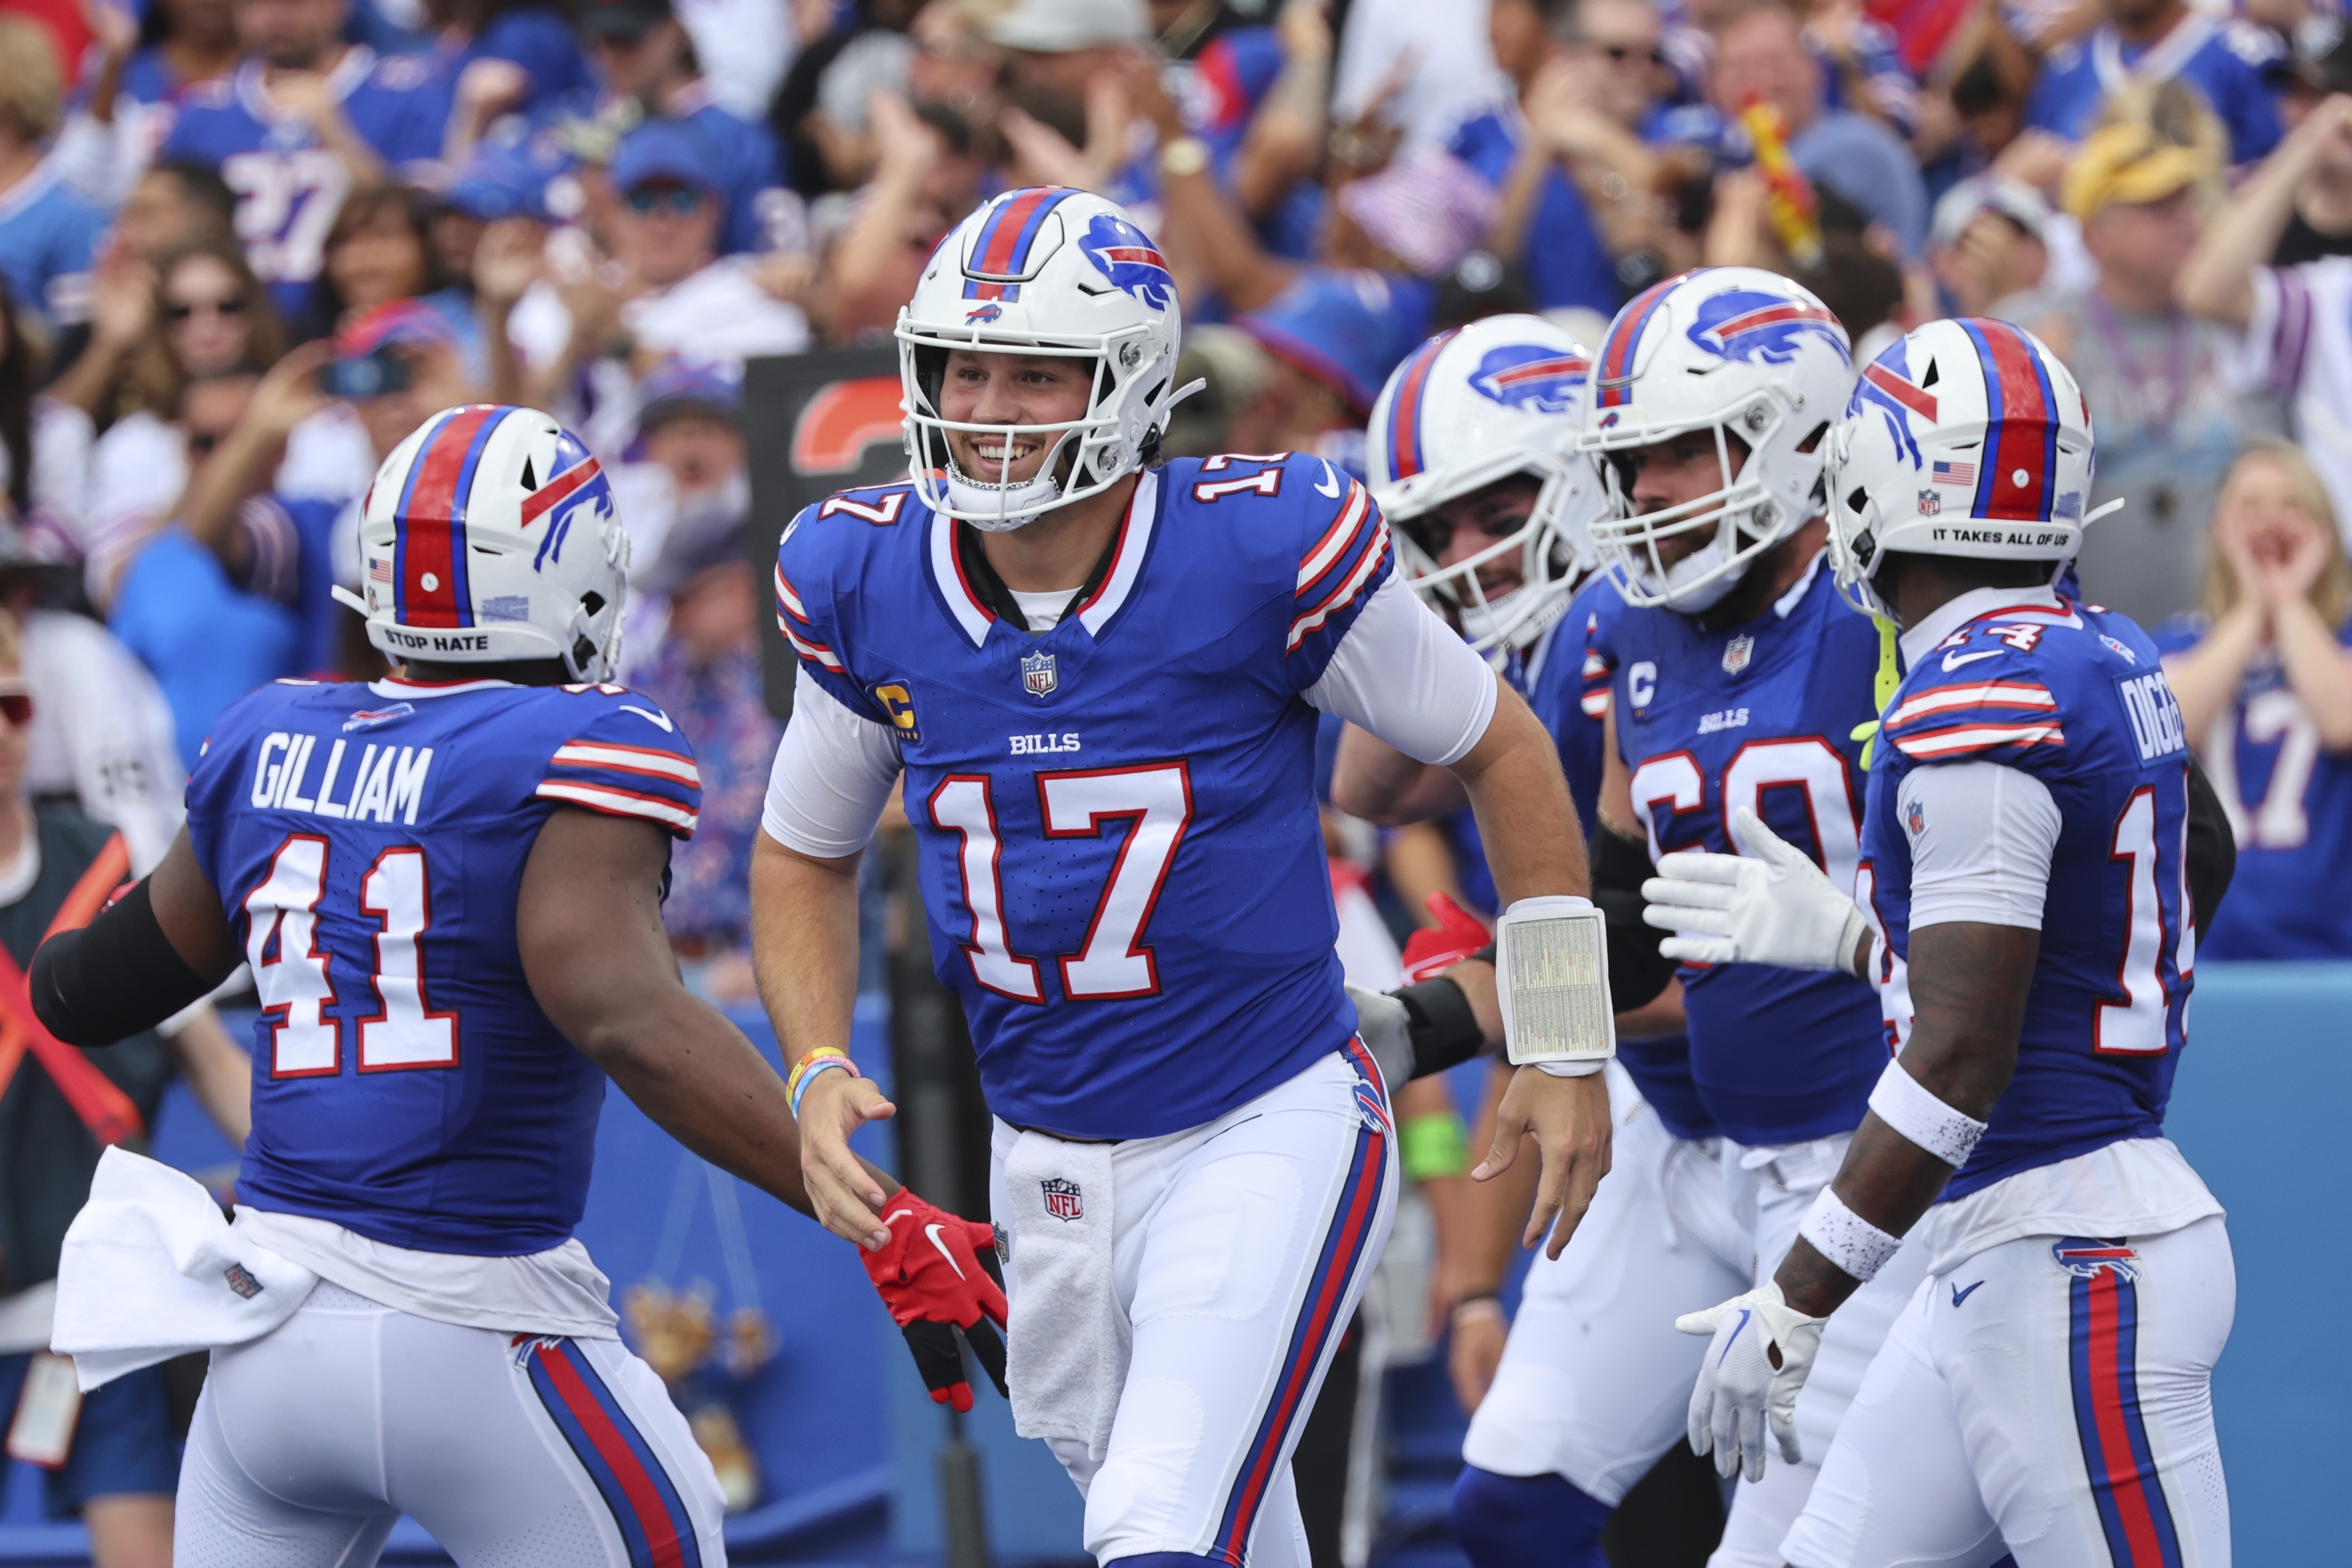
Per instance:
(448,883)
(1471,458)
(1738,680)
(1100,675)
(2025,909)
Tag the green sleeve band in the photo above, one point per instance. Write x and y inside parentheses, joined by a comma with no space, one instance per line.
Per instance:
(1436,1144)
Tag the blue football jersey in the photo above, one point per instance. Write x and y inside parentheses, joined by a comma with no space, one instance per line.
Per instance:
(367,842)
(2229,62)
(1760,716)
(2290,804)
(1122,860)
(2074,696)
(289,184)
(48,240)
(1571,695)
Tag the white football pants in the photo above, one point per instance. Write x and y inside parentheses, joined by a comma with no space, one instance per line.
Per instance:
(1240,1250)
(2050,1397)
(512,1452)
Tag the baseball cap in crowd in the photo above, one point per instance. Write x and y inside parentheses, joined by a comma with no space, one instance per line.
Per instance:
(529,178)
(676,388)
(1060,26)
(411,322)
(2015,200)
(671,150)
(622,18)
(1346,328)
(1427,208)
(2131,162)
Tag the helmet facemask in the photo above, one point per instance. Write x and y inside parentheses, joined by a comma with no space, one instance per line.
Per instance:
(1514,619)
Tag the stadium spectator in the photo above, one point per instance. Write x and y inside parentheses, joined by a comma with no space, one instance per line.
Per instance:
(1331,337)
(381,249)
(927,176)
(2321,224)
(116,1463)
(2291,318)
(1551,151)
(503,57)
(2161,392)
(2264,681)
(704,670)
(1990,241)
(44,446)
(304,118)
(49,237)
(2230,63)
(128,105)
(643,55)
(1761,55)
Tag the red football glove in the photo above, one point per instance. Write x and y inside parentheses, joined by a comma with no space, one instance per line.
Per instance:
(939,1275)
(1433,950)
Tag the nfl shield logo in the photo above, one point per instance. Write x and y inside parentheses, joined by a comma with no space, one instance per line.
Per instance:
(1037,677)
(1737,653)
(1931,504)
(1061,1197)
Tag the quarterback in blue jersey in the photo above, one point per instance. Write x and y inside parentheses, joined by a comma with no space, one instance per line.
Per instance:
(2023,906)
(302,121)
(447,884)
(1099,676)
(2232,64)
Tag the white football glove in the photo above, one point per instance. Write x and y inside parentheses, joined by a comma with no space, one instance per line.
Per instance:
(1772,907)
(1740,1387)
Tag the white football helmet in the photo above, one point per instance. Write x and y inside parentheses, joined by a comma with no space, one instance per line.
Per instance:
(1046,270)
(1502,396)
(1740,354)
(490,535)
(1965,438)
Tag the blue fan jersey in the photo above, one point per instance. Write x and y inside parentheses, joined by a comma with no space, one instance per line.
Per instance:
(49,241)
(2075,697)
(1571,695)
(367,842)
(2229,62)
(1122,861)
(2290,804)
(289,184)
(1760,716)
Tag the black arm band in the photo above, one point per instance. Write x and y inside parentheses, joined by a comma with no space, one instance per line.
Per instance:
(1443,1030)
(1637,973)
(2213,848)
(113,977)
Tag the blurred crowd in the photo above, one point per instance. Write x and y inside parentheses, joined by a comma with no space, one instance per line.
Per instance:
(249,245)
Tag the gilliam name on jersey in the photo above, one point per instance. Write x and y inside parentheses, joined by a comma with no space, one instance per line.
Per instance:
(388,784)
(438,642)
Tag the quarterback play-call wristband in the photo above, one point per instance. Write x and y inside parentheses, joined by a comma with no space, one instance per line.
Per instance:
(804,1072)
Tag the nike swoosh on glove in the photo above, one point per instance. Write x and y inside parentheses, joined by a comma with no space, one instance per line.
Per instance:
(1433,950)
(1756,1359)
(937,1276)
(1772,907)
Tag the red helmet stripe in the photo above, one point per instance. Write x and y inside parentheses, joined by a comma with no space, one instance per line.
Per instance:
(1405,414)
(2018,481)
(1624,336)
(429,586)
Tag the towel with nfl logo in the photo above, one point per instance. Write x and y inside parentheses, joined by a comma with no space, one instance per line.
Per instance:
(1069,1339)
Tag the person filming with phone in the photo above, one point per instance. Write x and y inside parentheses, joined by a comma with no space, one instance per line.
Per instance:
(235,592)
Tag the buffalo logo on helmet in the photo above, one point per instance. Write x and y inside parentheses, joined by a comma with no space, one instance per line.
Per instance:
(1063,1200)
(1885,385)
(1748,324)
(981,315)
(581,484)
(1531,376)
(1131,263)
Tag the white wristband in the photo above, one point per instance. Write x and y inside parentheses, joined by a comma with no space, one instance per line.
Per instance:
(1551,983)
(1914,1110)
(1567,1069)
(1846,1237)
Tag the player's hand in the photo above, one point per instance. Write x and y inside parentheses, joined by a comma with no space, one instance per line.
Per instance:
(1569,1119)
(1433,950)
(1772,907)
(1475,1350)
(1762,1348)
(842,1193)
(937,1275)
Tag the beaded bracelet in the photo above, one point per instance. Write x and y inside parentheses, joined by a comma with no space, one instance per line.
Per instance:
(804,1072)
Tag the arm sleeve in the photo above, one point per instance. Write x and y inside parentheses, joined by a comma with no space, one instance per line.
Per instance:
(1981,845)
(1406,677)
(832,776)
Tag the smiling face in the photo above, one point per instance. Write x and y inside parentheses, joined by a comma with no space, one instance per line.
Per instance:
(1011,389)
(1459,530)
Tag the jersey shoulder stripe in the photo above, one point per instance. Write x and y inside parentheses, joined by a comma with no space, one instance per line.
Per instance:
(1944,701)
(1944,744)
(1345,531)
(1371,559)
(615,801)
(624,758)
